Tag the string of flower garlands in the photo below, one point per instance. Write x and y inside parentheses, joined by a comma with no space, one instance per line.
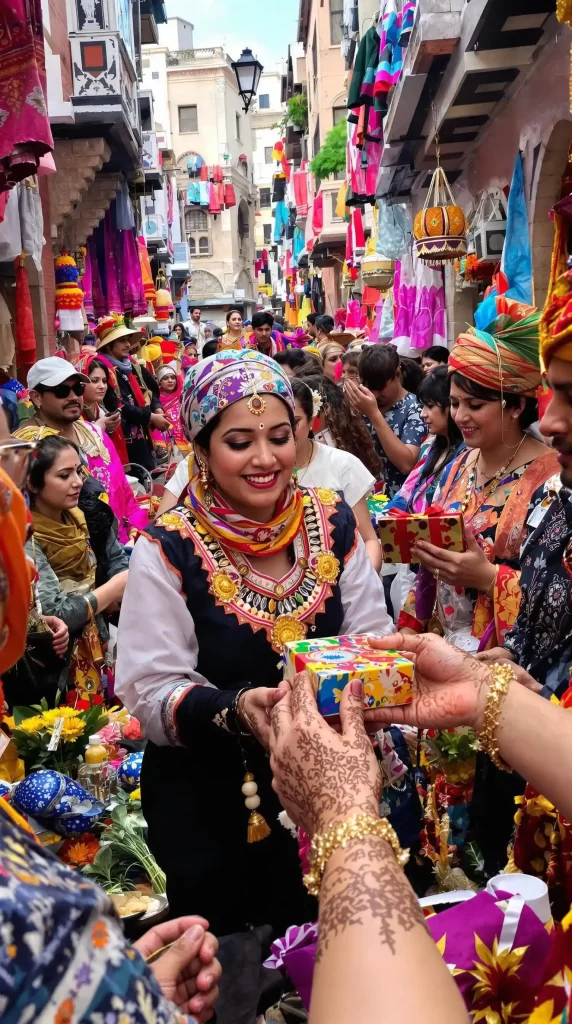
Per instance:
(163,301)
(69,295)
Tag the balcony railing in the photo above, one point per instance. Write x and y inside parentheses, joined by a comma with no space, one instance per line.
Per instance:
(186,56)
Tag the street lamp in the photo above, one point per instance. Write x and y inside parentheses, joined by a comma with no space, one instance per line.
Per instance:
(248,71)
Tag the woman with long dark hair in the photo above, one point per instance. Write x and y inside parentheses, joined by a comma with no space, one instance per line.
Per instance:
(320,465)
(63,547)
(444,443)
(337,425)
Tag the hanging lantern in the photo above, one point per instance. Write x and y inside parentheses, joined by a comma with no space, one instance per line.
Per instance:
(69,295)
(377,272)
(163,301)
(440,228)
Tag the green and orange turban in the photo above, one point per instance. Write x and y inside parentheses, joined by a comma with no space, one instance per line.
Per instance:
(505,356)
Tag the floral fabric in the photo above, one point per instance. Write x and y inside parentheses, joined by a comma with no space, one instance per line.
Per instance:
(227,377)
(63,956)
(498,523)
(404,418)
(541,639)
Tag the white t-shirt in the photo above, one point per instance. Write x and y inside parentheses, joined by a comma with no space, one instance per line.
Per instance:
(180,478)
(339,471)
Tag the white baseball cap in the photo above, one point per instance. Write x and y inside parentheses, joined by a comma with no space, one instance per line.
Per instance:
(52,371)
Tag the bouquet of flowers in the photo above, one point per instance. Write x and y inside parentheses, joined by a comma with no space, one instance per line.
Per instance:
(54,737)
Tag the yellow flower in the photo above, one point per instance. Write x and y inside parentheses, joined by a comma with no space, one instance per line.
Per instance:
(51,717)
(136,794)
(8,720)
(32,725)
(72,729)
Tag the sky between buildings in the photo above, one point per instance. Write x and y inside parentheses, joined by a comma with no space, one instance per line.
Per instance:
(266,26)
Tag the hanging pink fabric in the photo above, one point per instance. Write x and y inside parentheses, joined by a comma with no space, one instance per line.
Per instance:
(204,173)
(420,319)
(318,214)
(217,174)
(229,196)
(132,290)
(353,319)
(111,266)
(26,134)
(100,306)
(86,284)
(357,225)
(301,192)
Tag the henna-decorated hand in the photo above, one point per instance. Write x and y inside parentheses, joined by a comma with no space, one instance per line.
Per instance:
(321,776)
(449,688)
(254,707)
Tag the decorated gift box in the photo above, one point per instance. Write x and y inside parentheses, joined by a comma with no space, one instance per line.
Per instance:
(333,662)
(399,531)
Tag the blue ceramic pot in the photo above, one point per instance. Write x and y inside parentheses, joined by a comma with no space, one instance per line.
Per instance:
(129,771)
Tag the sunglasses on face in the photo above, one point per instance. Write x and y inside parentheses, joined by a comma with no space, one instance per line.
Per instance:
(64,390)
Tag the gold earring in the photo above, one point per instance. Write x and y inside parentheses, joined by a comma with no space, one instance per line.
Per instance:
(204,477)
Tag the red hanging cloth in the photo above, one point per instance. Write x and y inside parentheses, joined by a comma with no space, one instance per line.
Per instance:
(26,354)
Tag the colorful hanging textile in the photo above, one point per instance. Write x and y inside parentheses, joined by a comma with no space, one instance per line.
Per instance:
(420,301)
(23,320)
(390,56)
(131,288)
(301,192)
(111,267)
(25,133)
(99,301)
(146,275)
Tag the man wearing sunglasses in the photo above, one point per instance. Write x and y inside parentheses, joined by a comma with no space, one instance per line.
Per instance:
(56,392)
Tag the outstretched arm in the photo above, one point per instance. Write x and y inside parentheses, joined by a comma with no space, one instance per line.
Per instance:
(451,689)
(371,927)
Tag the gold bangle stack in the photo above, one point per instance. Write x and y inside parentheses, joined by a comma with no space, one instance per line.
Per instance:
(325,843)
(503,676)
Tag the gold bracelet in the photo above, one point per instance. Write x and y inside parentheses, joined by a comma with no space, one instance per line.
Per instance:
(503,676)
(491,586)
(325,843)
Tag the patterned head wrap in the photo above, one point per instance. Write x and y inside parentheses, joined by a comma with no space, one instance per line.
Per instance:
(556,321)
(504,357)
(215,383)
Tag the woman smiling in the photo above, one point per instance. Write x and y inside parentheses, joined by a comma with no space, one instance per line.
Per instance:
(494,377)
(248,564)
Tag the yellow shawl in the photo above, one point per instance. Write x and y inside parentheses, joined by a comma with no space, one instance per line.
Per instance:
(66,545)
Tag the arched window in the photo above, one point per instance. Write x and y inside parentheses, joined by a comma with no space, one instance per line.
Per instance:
(197,226)
(243,225)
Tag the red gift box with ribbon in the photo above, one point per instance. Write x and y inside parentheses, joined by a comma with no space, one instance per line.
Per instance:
(399,531)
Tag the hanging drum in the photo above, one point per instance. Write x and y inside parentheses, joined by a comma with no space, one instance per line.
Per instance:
(440,228)
(377,272)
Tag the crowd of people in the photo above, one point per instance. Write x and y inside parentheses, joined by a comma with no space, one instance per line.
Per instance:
(262,451)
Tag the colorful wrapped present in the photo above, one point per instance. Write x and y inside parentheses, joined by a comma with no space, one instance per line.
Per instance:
(496,948)
(333,662)
(398,531)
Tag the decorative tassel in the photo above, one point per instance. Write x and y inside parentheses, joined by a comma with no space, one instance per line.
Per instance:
(258,827)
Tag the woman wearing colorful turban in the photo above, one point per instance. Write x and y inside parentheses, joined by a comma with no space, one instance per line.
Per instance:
(494,379)
(473,598)
(249,563)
